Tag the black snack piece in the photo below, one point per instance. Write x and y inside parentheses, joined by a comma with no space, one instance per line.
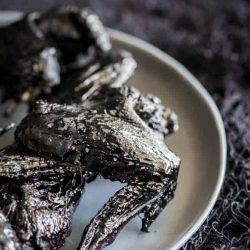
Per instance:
(38,195)
(100,127)
(113,68)
(73,31)
(111,134)
(28,65)
(35,50)
(21,164)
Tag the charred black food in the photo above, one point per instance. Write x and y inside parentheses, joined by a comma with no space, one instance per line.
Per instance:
(92,124)
(116,133)
(37,49)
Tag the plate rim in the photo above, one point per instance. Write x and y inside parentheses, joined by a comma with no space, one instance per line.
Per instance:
(181,70)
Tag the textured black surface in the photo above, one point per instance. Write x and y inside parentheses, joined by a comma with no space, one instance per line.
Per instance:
(110,129)
(211,38)
(116,133)
(36,51)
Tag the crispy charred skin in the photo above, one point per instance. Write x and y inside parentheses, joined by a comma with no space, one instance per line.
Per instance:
(35,50)
(21,164)
(38,202)
(73,31)
(6,129)
(119,134)
(114,131)
(28,65)
(113,68)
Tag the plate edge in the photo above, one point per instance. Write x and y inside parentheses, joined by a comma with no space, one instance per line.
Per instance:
(196,84)
(179,68)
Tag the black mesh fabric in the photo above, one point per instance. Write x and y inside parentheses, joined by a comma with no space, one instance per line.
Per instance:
(212,39)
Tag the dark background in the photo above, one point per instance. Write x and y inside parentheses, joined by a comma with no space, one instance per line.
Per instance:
(212,39)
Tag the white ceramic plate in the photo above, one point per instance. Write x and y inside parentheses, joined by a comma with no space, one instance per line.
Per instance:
(200,143)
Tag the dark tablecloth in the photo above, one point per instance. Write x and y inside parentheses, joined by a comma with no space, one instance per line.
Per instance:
(212,39)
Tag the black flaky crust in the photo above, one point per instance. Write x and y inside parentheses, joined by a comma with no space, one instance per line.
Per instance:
(110,134)
(39,209)
(91,124)
(37,49)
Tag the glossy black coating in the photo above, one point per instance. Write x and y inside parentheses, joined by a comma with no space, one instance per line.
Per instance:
(94,124)
(37,49)
(6,129)
(117,133)
(38,197)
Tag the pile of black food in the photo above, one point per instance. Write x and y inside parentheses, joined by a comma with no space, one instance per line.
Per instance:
(89,124)
(36,51)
